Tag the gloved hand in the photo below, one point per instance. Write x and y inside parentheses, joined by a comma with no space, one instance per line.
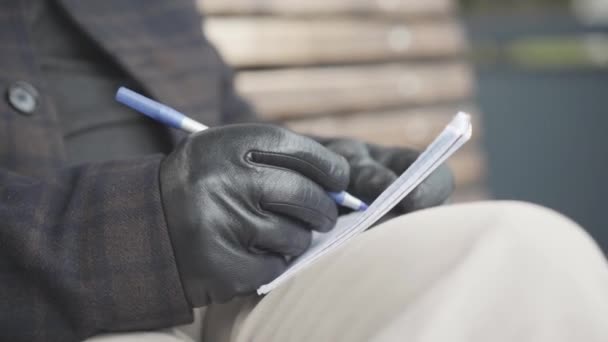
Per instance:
(373,168)
(239,199)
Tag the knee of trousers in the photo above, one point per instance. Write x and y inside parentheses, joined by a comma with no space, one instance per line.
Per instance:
(533,227)
(529,230)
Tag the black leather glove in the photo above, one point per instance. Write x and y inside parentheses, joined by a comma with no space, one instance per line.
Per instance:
(239,199)
(373,168)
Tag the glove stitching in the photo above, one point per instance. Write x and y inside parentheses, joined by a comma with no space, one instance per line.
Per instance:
(314,167)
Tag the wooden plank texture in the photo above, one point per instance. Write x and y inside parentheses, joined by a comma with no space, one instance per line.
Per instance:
(401,8)
(407,127)
(471,193)
(384,71)
(289,93)
(268,41)
(468,166)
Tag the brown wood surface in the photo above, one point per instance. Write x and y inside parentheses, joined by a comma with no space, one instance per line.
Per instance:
(468,166)
(406,127)
(403,8)
(471,193)
(270,41)
(390,72)
(289,93)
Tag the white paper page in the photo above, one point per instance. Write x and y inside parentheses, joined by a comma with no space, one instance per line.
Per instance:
(448,142)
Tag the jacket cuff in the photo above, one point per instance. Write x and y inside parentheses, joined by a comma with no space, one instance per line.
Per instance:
(145,291)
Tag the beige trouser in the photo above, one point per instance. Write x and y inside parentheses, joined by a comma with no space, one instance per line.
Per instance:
(492,271)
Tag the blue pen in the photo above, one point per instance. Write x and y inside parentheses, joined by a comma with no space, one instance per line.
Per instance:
(175,119)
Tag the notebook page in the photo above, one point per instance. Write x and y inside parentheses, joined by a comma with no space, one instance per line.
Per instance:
(452,138)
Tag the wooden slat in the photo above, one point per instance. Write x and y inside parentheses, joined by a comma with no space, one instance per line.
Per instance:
(402,8)
(468,166)
(472,193)
(414,128)
(247,42)
(292,93)
(409,127)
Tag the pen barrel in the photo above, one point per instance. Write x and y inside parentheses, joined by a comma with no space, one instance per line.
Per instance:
(175,119)
(149,107)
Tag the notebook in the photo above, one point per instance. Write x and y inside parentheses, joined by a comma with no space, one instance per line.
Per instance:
(457,132)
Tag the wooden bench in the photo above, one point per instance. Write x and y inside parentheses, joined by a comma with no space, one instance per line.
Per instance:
(388,71)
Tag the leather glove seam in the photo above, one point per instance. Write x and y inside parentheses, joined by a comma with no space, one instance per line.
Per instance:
(249,159)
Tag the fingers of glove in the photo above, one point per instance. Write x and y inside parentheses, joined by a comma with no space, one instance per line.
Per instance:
(297,197)
(245,273)
(433,191)
(396,159)
(307,157)
(369,179)
(281,235)
(267,267)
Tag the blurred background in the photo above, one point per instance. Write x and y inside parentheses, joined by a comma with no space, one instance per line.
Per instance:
(534,74)
(542,85)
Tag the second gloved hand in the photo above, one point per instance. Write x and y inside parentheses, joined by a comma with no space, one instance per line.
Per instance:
(374,168)
(239,199)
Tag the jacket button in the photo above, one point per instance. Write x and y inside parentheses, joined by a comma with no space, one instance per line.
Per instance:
(23,97)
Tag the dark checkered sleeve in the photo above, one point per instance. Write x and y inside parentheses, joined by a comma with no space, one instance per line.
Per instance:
(86,251)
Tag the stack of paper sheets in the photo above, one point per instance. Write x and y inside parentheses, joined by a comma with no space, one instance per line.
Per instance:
(451,139)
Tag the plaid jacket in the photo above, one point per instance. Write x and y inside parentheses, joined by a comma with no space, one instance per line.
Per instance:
(85,250)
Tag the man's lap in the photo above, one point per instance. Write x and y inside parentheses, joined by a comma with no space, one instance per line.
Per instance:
(387,279)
